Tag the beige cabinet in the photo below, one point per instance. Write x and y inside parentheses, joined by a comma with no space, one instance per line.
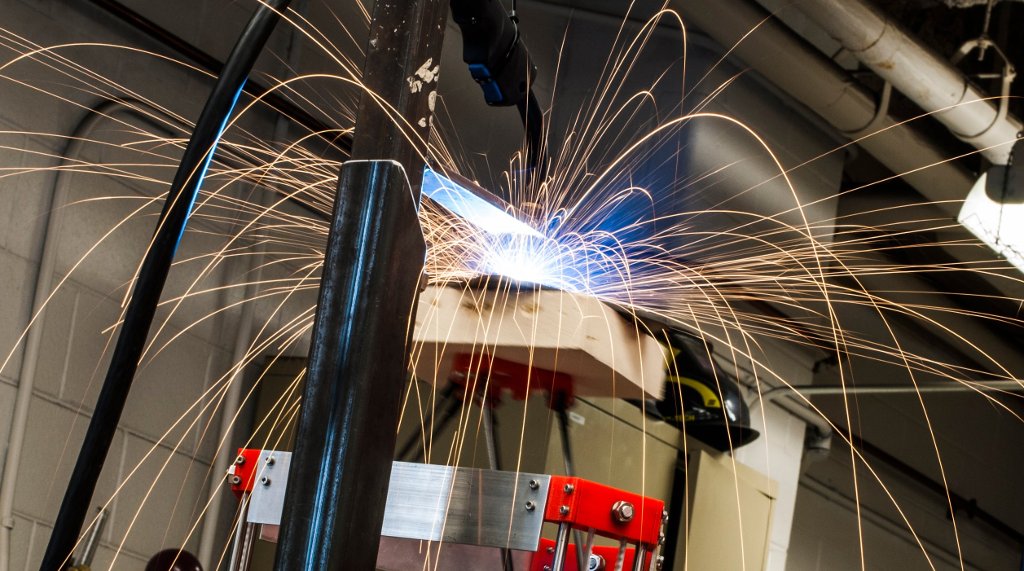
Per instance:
(729,515)
(726,506)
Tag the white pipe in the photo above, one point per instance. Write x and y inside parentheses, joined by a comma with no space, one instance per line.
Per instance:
(928,79)
(34,337)
(950,387)
(229,409)
(770,48)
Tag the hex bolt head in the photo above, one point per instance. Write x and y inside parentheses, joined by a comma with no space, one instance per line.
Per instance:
(622,511)
(664,515)
(235,480)
(530,506)
(270,460)
(569,488)
(596,563)
(239,460)
(564,510)
(551,550)
(660,562)
(547,568)
(265,481)
(534,484)
(661,539)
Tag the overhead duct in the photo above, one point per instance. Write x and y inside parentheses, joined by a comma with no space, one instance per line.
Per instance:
(932,82)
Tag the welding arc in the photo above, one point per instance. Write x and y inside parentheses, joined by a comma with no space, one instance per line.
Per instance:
(150,283)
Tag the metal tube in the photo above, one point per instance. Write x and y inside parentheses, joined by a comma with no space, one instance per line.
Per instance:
(589,548)
(490,435)
(561,547)
(358,361)
(620,557)
(152,275)
(93,541)
(245,535)
(337,484)
(950,387)
(570,468)
(640,555)
(925,77)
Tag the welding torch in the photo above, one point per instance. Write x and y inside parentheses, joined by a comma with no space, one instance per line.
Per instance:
(500,63)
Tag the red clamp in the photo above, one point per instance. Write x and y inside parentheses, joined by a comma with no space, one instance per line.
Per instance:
(610,512)
(505,376)
(242,473)
(543,558)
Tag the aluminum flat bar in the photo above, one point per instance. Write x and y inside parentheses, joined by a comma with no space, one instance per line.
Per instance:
(465,505)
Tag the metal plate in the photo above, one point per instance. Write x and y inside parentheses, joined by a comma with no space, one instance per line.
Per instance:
(267,499)
(465,505)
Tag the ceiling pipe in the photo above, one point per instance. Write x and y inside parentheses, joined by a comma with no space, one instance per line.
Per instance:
(950,387)
(930,80)
(787,60)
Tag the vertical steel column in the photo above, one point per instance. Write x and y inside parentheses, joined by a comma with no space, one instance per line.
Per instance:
(358,361)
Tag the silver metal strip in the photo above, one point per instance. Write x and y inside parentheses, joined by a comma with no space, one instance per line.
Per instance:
(465,505)
(267,499)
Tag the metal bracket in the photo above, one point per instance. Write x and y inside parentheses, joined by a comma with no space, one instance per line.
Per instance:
(1008,74)
(881,112)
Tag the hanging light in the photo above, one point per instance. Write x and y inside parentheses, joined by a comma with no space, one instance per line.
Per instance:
(994,208)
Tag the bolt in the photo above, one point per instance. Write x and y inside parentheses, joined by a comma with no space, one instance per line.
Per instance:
(240,460)
(660,562)
(265,481)
(270,460)
(551,550)
(530,506)
(534,484)
(547,567)
(235,480)
(596,563)
(664,515)
(564,510)
(622,511)
(568,488)
(661,539)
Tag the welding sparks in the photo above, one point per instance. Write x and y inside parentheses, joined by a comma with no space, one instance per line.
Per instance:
(613,241)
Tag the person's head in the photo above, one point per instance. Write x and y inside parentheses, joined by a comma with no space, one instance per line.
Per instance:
(173,560)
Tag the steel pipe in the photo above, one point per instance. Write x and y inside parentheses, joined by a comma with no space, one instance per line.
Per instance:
(358,361)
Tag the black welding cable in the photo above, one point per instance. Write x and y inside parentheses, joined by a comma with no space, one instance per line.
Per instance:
(150,282)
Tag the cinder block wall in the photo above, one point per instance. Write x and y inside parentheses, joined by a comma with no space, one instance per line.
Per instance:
(159,469)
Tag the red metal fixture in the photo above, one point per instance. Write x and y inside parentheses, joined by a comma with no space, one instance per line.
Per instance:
(242,473)
(610,512)
(504,376)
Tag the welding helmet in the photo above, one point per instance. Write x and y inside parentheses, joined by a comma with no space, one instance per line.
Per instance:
(701,398)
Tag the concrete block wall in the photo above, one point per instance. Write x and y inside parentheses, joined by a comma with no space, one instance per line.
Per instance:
(159,463)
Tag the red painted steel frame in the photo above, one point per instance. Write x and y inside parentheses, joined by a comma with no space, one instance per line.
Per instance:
(588,505)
